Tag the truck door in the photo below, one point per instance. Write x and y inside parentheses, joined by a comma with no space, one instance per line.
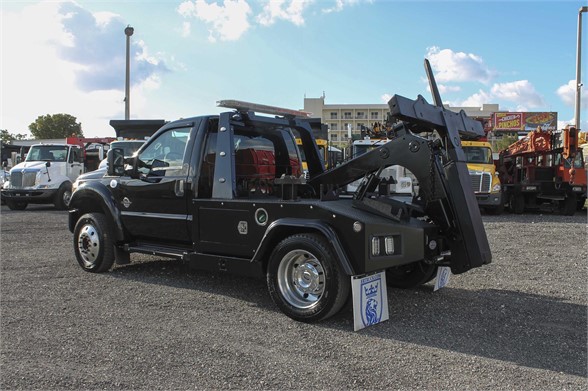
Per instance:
(74,166)
(154,206)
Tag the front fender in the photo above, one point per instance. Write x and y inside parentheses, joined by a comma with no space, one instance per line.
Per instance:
(281,228)
(95,196)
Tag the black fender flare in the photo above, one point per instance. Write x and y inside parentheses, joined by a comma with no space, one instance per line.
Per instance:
(281,228)
(95,196)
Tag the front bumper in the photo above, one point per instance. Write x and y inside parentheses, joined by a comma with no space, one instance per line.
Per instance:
(32,196)
(492,199)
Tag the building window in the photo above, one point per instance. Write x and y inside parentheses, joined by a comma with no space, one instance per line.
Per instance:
(333,115)
(360,115)
(334,126)
(347,115)
(347,126)
(333,137)
(374,115)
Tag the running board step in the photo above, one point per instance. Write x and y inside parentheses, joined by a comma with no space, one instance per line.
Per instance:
(172,252)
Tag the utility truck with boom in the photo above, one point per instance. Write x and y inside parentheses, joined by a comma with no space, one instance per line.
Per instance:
(544,168)
(227,193)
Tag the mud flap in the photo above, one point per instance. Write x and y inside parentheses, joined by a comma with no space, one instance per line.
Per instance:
(370,299)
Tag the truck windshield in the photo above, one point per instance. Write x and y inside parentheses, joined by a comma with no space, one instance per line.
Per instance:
(478,155)
(129,147)
(48,153)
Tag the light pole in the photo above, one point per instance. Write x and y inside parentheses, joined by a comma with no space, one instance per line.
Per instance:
(128,32)
(578,68)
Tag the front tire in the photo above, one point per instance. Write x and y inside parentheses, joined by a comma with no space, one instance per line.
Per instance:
(16,205)
(517,203)
(63,196)
(567,207)
(93,243)
(305,280)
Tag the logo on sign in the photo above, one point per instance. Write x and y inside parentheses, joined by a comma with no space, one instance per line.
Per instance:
(371,301)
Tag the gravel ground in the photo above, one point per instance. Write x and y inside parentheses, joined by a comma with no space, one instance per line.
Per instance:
(519,323)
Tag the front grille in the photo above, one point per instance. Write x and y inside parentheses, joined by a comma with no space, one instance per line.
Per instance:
(481,182)
(19,179)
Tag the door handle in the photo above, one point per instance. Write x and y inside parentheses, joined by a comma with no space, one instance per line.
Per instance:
(179,187)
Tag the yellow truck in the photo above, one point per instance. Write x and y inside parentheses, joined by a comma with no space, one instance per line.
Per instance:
(322,144)
(485,181)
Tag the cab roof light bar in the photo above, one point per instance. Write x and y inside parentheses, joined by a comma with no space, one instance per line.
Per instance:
(242,106)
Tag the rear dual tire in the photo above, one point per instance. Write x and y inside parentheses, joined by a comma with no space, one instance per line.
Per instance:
(411,275)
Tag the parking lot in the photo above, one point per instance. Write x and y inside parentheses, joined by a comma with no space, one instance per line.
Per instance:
(519,323)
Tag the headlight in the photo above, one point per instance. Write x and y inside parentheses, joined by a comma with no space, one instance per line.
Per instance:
(38,178)
(375,246)
(577,188)
(75,185)
(389,245)
(496,188)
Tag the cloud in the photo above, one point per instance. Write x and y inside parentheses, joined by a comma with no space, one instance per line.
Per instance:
(341,4)
(521,92)
(289,10)
(186,29)
(97,46)
(44,73)
(567,93)
(453,66)
(477,100)
(228,22)
(385,98)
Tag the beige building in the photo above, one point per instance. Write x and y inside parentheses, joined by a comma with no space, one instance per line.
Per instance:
(345,120)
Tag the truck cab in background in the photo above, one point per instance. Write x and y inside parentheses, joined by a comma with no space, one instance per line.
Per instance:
(45,177)
(485,180)
(399,179)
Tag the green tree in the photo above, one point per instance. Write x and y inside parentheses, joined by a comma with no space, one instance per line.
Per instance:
(56,126)
(6,136)
(503,142)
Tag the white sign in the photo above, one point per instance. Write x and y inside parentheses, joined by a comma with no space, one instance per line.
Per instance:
(443,274)
(370,300)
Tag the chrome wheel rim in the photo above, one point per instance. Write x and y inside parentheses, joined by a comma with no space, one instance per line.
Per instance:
(88,245)
(66,197)
(301,279)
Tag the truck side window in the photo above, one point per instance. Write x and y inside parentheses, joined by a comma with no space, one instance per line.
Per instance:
(74,155)
(261,156)
(164,156)
(207,165)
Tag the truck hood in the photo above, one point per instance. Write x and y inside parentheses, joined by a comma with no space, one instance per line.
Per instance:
(481,167)
(25,165)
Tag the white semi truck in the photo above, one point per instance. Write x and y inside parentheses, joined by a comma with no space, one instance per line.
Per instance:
(45,176)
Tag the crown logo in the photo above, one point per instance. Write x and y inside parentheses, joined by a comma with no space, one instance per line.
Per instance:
(370,291)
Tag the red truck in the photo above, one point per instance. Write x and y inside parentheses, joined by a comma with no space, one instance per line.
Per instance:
(544,168)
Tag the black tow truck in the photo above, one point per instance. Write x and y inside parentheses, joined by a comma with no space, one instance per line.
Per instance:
(227,193)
